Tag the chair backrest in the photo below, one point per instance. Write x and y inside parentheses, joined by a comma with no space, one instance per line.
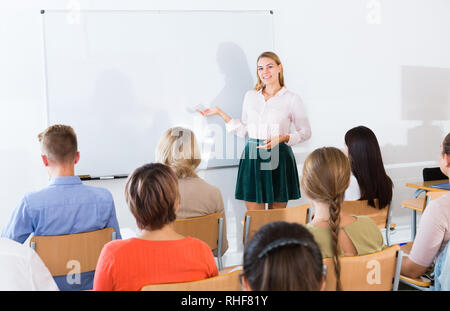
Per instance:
(433,195)
(362,208)
(374,272)
(223,282)
(433,173)
(61,252)
(255,219)
(204,228)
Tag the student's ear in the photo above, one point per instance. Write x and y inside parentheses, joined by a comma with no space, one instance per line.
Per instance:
(77,157)
(447,160)
(177,204)
(44,159)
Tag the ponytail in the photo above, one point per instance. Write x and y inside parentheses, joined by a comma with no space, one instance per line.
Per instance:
(334,223)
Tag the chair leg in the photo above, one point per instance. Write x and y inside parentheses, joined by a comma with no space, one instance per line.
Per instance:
(388,236)
(219,244)
(413,224)
(247,228)
(220,264)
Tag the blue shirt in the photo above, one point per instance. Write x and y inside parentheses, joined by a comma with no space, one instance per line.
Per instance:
(65,206)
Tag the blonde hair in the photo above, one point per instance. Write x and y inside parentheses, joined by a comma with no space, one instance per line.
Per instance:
(325,177)
(178,149)
(259,84)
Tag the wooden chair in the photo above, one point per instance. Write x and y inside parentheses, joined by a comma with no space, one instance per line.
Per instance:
(374,272)
(382,217)
(56,251)
(223,282)
(206,228)
(255,219)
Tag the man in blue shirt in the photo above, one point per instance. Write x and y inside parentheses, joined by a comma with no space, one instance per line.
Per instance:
(65,206)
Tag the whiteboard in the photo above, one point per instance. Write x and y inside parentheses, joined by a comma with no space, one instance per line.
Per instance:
(122,78)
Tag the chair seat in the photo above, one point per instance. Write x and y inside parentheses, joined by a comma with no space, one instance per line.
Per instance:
(223,282)
(417,204)
(420,281)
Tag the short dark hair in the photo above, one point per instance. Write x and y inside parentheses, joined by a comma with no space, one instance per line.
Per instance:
(283,256)
(59,143)
(151,193)
(367,166)
(446,144)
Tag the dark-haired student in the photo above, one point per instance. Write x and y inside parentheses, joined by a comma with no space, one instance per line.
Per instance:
(434,231)
(368,179)
(158,254)
(283,256)
(65,206)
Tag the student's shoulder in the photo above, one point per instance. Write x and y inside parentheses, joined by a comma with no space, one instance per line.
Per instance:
(439,207)
(364,223)
(196,243)
(99,192)
(200,183)
(118,246)
(211,188)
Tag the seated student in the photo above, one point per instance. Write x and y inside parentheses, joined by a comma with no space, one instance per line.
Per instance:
(283,256)
(178,149)
(434,230)
(21,269)
(159,254)
(65,206)
(326,175)
(368,179)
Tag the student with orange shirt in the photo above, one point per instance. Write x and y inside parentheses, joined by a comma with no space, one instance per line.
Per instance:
(158,254)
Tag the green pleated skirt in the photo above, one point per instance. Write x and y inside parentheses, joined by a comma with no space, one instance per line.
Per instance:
(267,176)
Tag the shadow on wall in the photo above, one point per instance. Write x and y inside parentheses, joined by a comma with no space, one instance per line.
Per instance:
(232,62)
(425,97)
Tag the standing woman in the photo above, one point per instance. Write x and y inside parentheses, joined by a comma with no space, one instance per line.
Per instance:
(267,169)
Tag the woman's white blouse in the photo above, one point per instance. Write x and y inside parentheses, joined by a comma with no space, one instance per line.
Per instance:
(261,119)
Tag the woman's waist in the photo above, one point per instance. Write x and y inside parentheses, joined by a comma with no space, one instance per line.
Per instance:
(253,142)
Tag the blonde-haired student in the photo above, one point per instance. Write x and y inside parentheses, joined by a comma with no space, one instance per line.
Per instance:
(179,149)
(325,177)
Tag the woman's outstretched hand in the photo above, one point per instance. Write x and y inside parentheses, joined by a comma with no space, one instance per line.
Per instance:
(209,111)
(214,111)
